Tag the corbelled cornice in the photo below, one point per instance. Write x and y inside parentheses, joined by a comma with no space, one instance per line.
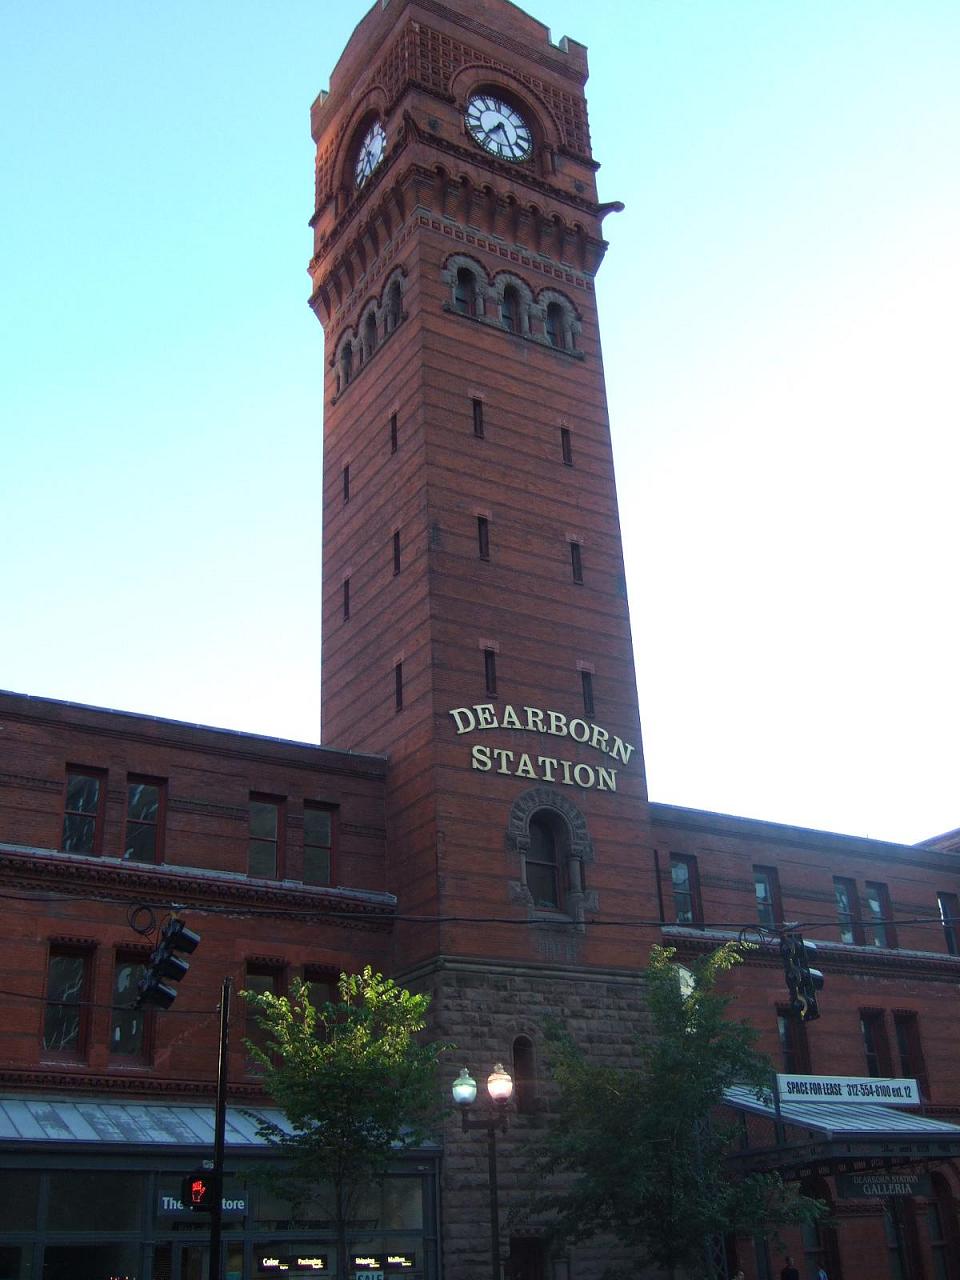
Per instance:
(99,878)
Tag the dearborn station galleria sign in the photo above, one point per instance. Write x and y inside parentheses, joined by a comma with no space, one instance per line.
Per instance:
(484,716)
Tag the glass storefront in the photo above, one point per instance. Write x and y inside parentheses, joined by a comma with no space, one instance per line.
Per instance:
(129,1224)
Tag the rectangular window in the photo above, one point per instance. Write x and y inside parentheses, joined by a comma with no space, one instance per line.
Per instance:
(766,883)
(265,849)
(848,910)
(906,1027)
(686,889)
(882,930)
(321,986)
(794,1046)
(143,834)
(566,447)
(490,672)
(128,1025)
(586,682)
(394,434)
(478,419)
(949,907)
(483,537)
(346,599)
(346,483)
(317,844)
(261,979)
(65,1016)
(876,1046)
(83,811)
(396,551)
(398,686)
(576,561)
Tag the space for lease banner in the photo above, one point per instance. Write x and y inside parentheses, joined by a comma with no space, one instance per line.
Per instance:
(793,1088)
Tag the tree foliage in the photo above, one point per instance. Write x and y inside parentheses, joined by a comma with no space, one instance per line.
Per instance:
(353,1080)
(644,1148)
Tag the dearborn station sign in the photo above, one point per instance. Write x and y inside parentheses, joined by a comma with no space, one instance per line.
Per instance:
(485,716)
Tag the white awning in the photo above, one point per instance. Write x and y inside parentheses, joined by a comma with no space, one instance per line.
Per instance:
(844,1119)
(46,1119)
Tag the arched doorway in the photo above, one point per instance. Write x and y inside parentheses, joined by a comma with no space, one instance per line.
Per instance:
(820,1245)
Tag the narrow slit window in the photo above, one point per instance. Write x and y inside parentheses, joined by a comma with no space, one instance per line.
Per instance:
(346,483)
(586,680)
(396,551)
(478,419)
(394,437)
(483,537)
(576,561)
(490,672)
(566,447)
(398,686)
(346,599)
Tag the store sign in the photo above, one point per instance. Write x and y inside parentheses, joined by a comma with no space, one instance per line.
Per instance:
(233,1206)
(364,1264)
(484,716)
(879,1184)
(272,1263)
(898,1093)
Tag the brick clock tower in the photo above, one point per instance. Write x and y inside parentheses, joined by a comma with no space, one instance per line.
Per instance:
(475,621)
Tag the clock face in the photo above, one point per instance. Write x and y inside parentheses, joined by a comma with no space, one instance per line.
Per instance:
(371,152)
(498,128)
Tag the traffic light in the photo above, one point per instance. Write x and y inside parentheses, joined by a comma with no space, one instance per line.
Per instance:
(165,963)
(200,1190)
(803,982)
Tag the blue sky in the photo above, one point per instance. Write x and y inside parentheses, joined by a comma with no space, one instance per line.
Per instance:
(779,312)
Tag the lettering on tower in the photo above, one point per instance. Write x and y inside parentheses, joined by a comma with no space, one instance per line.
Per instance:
(483,716)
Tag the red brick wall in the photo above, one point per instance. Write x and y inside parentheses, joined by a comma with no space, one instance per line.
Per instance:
(52,898)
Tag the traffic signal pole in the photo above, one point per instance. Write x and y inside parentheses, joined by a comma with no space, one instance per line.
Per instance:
(220,1125)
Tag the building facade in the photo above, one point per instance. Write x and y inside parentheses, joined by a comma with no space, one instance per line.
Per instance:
(479,826)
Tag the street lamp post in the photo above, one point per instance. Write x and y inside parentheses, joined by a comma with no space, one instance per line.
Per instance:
(500,1088)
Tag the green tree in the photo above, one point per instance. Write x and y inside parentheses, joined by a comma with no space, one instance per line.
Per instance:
(643,1149)
(353,1080)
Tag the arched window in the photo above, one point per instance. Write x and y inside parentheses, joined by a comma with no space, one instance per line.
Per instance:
(465,292)
(554,324)
(560,323)
(369,335)
(943,1230)
(394,310)
(542,862)
(510,309)
(524,1075)
(346,363)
